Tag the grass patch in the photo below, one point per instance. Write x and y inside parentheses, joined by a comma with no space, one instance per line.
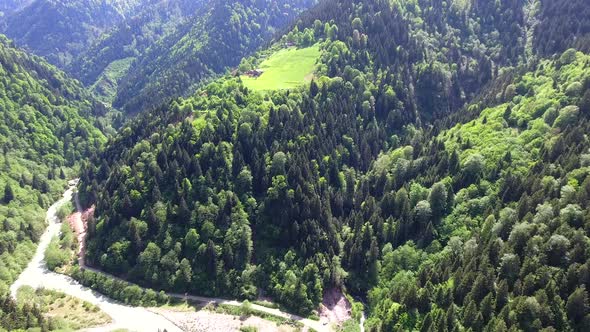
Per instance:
(285,69)
(267,304)
(351,325)
(68,313)
(245,311)
(179,305)
(248,329)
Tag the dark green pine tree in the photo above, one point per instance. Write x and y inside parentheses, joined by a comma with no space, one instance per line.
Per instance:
(578,308)
(8,193)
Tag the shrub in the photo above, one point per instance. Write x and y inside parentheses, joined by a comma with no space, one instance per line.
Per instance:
(510,92)
(568,57)
(54,256)
(118,289)
(248,329)
(246,308)
(550,115)
(65,211)
(574,89)
(567,116)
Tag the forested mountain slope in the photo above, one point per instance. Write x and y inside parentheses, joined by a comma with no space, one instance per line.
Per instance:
(217,37)
(495,211)
(562,24)
(45,128)
(60,30)
(7,7)
(435,166)
(107,61)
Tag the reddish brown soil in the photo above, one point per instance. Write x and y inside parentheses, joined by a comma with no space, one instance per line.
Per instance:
(335,307)
(78,223)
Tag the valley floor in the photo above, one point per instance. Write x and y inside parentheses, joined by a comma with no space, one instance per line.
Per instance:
(37,275)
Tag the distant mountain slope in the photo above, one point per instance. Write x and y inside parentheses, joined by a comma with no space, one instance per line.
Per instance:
(7,7)
(59,30)
(46,126)
(563,24)
(129,40)
(217,37)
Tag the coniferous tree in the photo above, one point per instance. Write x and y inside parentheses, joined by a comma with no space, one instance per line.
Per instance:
(8,193)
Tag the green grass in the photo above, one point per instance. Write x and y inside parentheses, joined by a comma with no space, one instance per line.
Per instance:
(246,311)
(285,69)
(267,304)
(351,325)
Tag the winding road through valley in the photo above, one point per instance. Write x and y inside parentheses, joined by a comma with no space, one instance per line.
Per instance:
(127,317)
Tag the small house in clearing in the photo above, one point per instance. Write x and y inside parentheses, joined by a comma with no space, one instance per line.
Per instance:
(254,73)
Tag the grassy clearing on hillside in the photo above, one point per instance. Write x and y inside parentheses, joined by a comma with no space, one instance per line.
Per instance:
(285,69)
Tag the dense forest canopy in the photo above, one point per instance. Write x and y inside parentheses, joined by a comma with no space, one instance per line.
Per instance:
(8,7)
(385,175)
(435,162)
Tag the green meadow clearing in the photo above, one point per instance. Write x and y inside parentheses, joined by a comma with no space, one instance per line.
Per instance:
(285,69)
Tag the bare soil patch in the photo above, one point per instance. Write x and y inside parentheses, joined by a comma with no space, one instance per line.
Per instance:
(79,223)
(335,307)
